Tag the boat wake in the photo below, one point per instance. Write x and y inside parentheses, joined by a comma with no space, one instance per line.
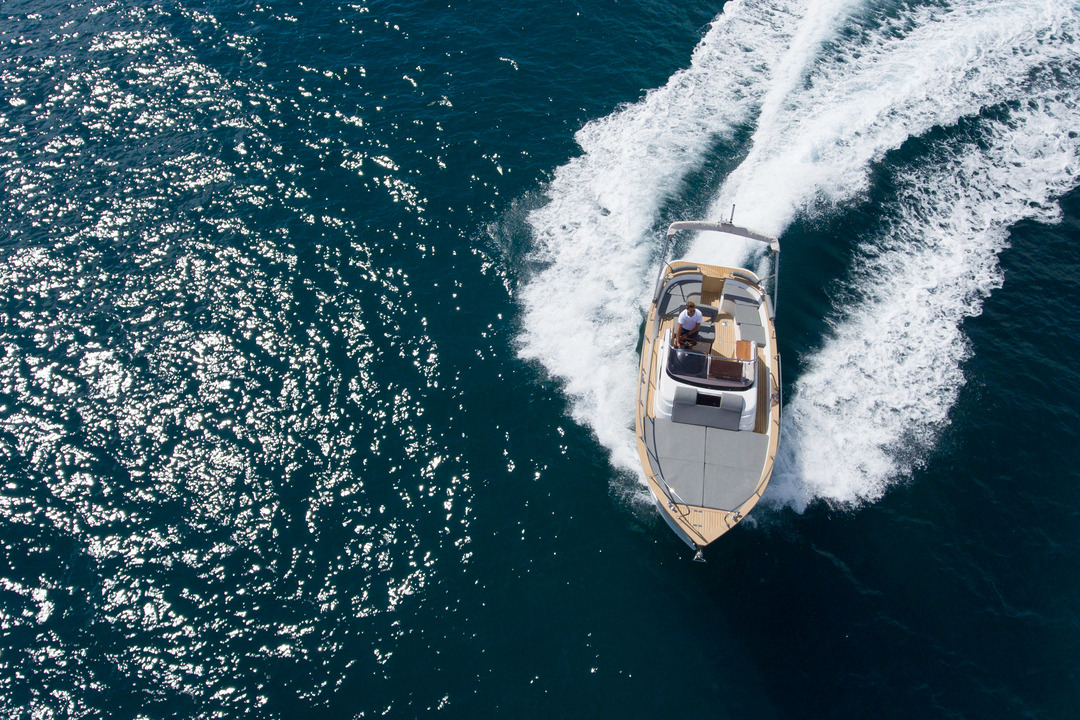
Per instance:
(989,90)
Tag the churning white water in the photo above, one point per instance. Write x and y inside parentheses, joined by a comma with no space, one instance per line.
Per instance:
(829,89)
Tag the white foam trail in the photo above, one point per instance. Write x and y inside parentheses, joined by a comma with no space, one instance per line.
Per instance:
(872,400)
(581,312)
(815,143)
(881,387)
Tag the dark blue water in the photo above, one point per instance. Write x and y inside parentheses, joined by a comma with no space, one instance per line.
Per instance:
(317,358)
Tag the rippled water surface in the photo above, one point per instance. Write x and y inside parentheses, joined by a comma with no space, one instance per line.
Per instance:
(318,331)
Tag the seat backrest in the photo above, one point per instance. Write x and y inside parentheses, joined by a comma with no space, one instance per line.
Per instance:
(680,289)
(736,290)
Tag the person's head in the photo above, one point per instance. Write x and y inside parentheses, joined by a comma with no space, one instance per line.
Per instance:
(690,307)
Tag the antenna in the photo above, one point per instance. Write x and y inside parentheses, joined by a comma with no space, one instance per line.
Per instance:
(732,220)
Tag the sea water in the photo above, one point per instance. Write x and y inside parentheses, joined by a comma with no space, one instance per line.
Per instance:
(318,342)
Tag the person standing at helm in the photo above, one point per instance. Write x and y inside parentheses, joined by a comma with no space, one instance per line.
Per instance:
(686,329)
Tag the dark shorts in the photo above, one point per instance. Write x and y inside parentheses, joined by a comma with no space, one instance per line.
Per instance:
(691,337)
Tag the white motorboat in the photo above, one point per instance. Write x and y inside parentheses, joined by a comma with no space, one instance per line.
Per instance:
(708,413)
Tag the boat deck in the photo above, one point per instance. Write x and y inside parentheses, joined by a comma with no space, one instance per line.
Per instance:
(714,476)
(693,458)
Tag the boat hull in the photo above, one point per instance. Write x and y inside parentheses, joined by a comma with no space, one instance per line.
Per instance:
(670,520)
(707,469)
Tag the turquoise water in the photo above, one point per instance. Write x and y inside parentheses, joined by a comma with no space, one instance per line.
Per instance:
(317,358)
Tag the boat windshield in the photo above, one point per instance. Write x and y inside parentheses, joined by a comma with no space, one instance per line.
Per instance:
(713,371)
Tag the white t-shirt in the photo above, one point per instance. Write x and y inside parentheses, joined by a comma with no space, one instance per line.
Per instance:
(688,321)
